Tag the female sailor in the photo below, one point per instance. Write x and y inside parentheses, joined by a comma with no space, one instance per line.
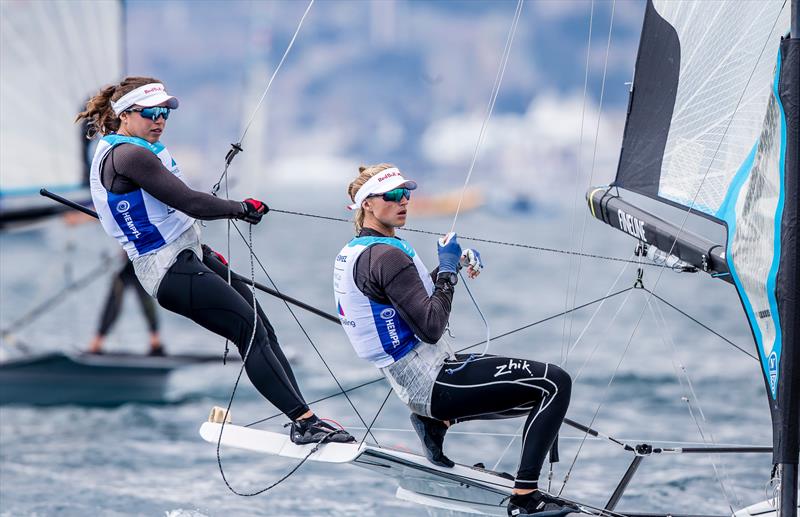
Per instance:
(394,311)
(142,201)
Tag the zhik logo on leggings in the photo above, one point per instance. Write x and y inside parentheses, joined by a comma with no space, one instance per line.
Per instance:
(512,365)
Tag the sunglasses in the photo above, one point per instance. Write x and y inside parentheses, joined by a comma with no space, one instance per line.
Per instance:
(152,113)
(395,195)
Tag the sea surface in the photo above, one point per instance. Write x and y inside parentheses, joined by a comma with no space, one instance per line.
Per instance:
(643,374)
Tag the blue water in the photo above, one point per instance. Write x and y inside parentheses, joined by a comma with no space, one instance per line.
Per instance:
(150,460)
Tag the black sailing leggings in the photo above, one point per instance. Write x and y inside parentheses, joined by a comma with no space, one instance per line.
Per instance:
(126,278)
(200,291)
(491,387)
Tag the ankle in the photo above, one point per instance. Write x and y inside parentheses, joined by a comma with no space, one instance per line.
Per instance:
(305,416)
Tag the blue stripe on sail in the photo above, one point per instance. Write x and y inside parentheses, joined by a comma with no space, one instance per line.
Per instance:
(773,271)
(727,212)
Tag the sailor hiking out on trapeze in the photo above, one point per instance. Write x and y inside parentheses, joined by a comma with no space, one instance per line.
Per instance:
(394,311)
(143,202)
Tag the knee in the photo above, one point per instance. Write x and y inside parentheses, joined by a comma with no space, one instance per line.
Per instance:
(561,379)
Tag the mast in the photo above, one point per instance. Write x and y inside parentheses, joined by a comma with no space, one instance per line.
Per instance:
(787,428)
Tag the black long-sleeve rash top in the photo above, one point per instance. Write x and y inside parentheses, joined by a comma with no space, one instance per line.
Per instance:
(386,274)
(129,167)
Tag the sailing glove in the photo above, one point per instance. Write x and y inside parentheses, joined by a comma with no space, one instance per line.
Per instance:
(449,253)
(208,251)
(253,210)
(471,259)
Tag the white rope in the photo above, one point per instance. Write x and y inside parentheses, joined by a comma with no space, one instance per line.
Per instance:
(576,343)
(604,332)
(591,170)
(510,442)
(249,243)
(679,368)
(237,147)
(498,80)
(564,341)
(480,312)
(277,69)
(492,99)
(597,311)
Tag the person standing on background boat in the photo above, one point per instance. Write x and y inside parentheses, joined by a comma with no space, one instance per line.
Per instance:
(394,312)
(126,277)
(142,201)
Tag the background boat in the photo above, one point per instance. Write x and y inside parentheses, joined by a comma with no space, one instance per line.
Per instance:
(108,379)
(60,54)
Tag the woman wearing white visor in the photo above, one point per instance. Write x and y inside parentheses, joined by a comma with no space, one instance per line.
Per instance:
(142,200)
(394,312)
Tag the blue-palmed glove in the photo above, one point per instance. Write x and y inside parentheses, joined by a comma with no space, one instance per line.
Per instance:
(471,259)
(449,253)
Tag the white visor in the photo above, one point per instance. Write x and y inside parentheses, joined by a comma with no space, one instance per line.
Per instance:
(381,183)
(148,96)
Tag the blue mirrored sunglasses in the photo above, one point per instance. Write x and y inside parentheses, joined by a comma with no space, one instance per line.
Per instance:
(395,195)
(152,113)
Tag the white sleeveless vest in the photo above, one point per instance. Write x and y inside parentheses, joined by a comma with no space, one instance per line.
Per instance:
(151,232)
(377,331)
(141,223)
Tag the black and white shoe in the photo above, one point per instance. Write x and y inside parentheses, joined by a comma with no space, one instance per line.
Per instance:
(431,433)
(540,504)
(315,430)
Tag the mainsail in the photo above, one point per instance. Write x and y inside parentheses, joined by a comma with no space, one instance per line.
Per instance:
(712,128)
(54,56)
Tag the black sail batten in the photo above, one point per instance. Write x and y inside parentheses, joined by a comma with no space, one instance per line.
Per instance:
(702,253)
(651,105)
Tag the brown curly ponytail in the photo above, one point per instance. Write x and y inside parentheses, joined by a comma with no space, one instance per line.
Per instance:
(98,113)
(364,174)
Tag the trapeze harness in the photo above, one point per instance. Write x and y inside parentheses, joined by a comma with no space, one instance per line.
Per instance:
(163,243)
(430,379)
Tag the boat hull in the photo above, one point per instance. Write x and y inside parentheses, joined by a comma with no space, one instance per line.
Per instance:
(92,380)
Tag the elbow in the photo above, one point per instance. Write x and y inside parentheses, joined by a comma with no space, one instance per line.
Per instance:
(433,335)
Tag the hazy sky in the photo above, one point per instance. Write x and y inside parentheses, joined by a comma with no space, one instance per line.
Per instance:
(403,81)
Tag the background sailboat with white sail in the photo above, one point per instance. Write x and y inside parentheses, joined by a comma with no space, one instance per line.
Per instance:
(54,55)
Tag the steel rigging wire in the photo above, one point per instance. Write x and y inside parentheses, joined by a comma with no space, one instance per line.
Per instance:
(479,239)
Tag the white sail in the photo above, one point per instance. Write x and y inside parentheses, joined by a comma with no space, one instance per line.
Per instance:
(727,64)
(54,56)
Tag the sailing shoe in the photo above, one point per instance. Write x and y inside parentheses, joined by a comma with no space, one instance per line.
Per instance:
(315,430)
(431,433)
(540,504)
